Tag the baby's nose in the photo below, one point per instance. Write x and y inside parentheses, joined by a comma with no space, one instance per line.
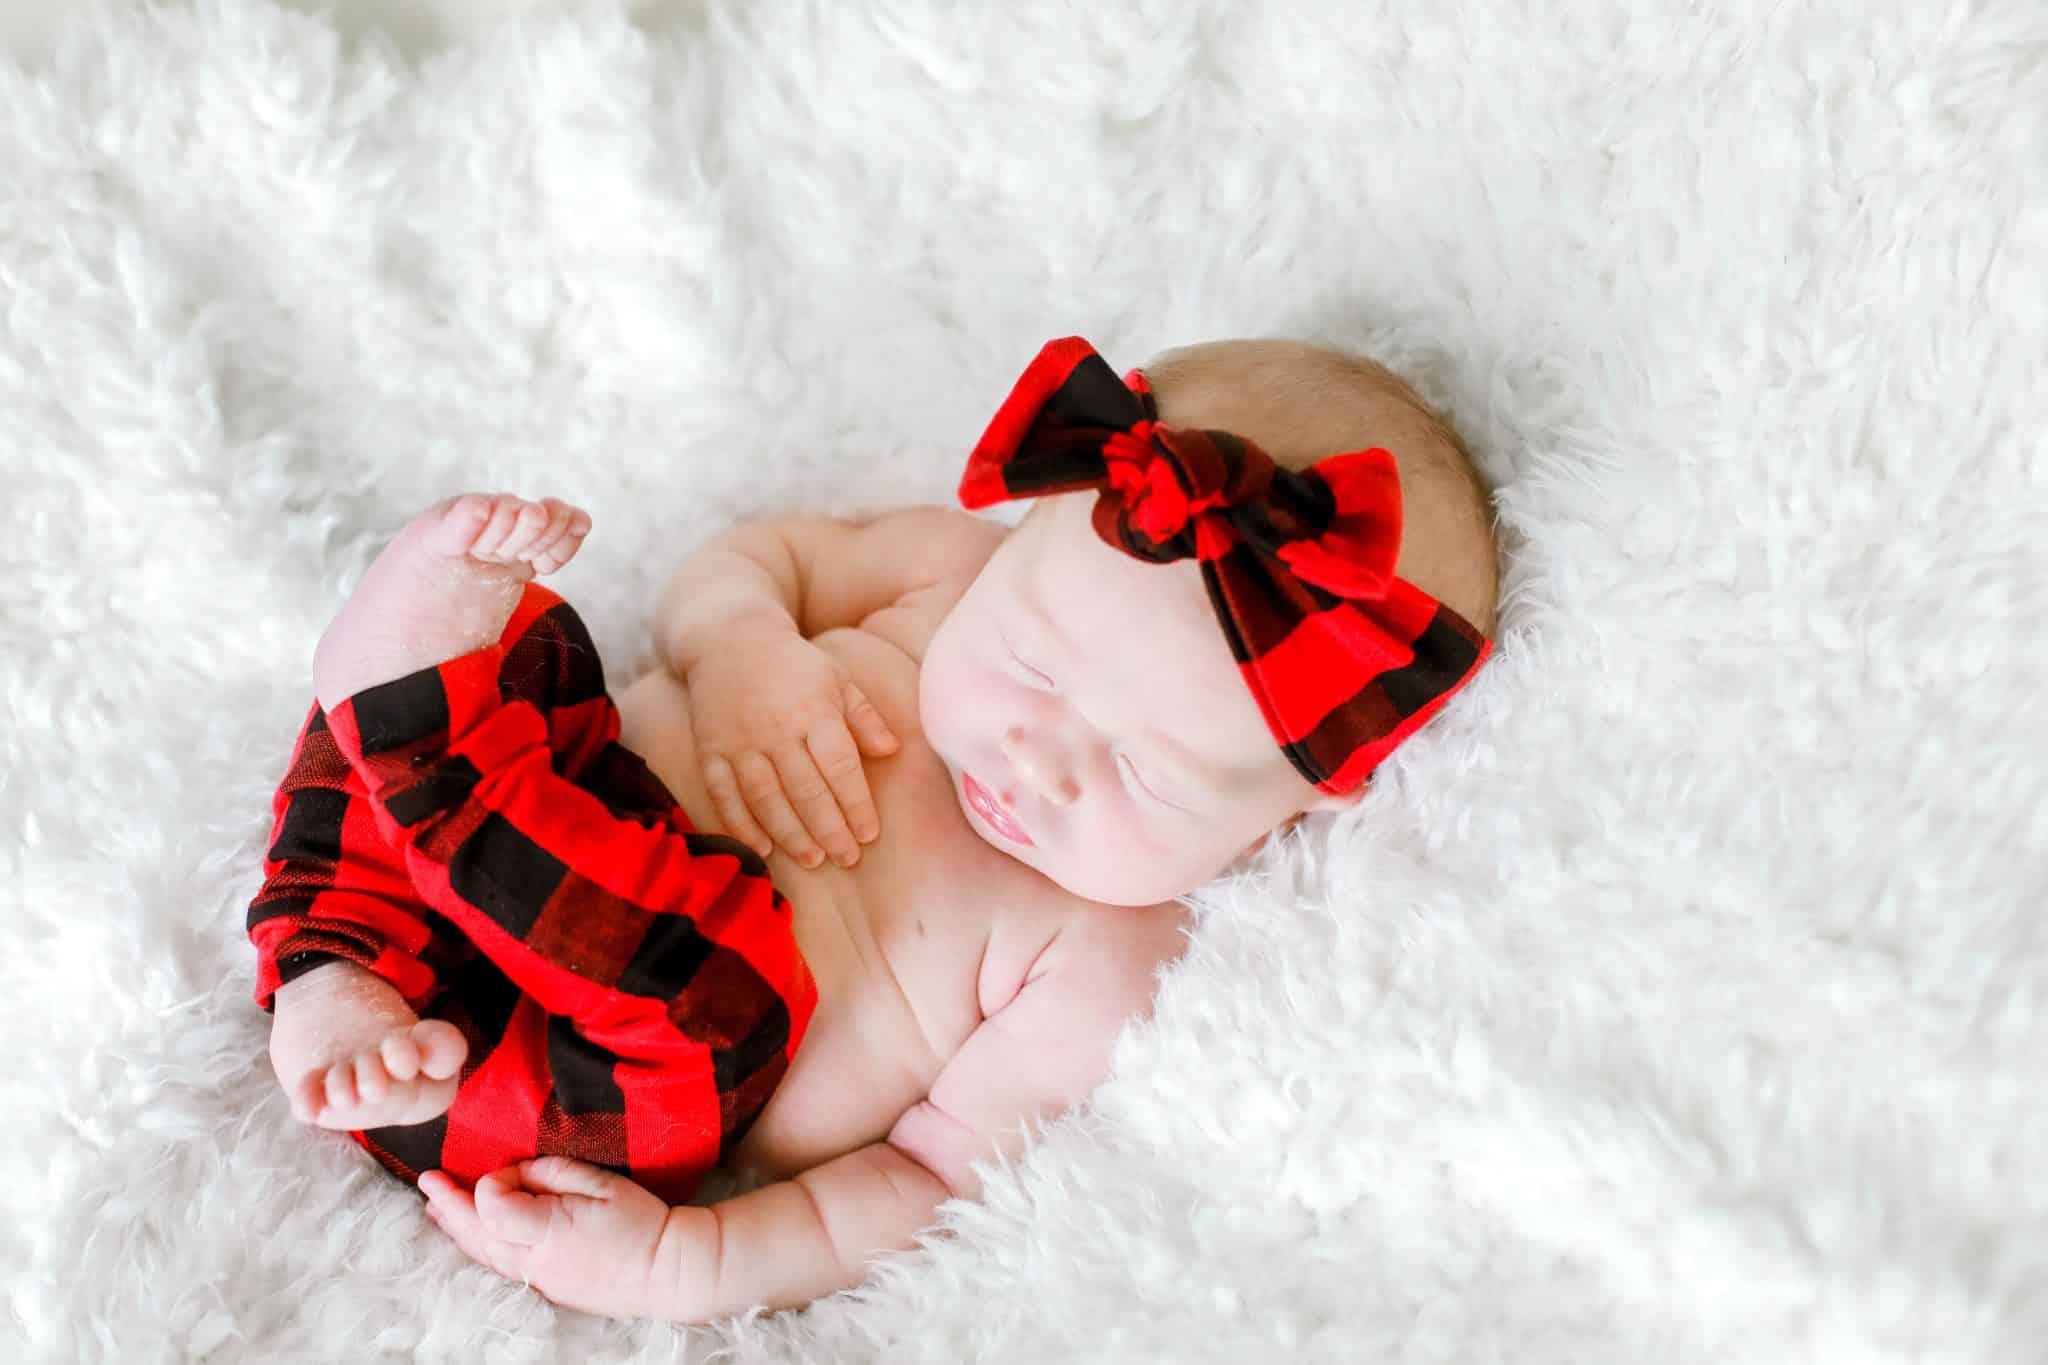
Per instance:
(1038,765)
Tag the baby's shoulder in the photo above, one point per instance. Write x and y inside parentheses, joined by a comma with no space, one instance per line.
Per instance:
(940,552)
(947,544)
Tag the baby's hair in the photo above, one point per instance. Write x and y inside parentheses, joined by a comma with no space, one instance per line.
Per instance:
(1303,403)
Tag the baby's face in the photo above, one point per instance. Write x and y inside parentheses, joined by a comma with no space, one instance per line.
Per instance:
(1093,721)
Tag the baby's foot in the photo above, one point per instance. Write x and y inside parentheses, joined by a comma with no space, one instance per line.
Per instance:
(445,585)
(351,1054)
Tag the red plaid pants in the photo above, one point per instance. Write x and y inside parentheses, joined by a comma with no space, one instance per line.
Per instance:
(474,834)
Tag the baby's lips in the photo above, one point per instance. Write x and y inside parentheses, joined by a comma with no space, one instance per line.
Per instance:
(992,811)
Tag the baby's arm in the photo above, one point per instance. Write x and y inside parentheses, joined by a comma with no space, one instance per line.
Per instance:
(813,574)
(780,726)
(1045,1050)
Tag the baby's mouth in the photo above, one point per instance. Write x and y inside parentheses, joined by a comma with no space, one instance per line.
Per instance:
(983,803)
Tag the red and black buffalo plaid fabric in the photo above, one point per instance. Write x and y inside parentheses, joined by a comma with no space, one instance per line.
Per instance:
(475,835)
(1345,658)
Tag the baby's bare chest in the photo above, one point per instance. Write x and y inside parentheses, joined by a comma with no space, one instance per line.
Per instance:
(908,947)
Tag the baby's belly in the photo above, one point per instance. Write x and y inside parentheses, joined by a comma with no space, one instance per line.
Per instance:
(895,944)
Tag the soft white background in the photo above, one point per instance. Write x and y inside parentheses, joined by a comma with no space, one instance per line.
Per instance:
(1678,997)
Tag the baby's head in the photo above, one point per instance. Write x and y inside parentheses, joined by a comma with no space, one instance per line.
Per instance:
(1094,697)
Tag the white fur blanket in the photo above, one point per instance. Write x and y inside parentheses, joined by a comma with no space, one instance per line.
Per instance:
(1678,997)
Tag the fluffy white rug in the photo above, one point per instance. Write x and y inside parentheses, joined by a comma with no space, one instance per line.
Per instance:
(1679,998)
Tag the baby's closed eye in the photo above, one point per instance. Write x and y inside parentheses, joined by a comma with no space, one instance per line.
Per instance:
(1036,676)
(1150,788)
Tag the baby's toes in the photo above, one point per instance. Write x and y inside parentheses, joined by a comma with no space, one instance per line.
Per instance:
(511,527)
(401,1054)
(560,516)
(459,523)
(339,1089)
(309,1096)
(442,1048)
(373,1082)
(567,526)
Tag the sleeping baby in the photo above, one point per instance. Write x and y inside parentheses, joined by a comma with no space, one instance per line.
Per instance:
(552,956)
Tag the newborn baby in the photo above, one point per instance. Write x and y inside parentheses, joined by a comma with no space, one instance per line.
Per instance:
(504,916)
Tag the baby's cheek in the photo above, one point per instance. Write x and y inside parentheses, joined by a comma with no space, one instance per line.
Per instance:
(941,700)
(1192,857)
(1119,842)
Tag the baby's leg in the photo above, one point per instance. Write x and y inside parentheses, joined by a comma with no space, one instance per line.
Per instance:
(658,961)
(444,586)
(348,1049)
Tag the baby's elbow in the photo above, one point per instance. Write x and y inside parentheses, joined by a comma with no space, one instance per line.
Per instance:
(943,1146)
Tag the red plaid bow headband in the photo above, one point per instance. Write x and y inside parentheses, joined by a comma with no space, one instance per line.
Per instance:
(1345,659)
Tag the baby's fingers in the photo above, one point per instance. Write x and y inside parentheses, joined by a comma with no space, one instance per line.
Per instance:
(455,1211)
(815,800)
(832,747)
(870,729)
(509,1212)
(739,822)
(761,784)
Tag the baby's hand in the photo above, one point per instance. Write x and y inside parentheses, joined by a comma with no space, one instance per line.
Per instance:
(585,1237)
(780,728)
